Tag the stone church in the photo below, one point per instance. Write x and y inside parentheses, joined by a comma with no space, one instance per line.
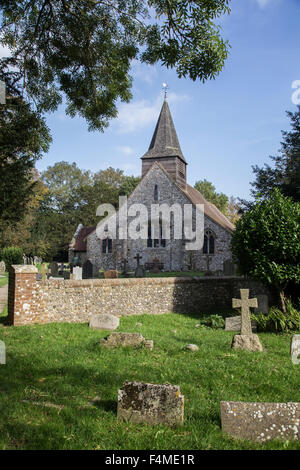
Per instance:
(164,180)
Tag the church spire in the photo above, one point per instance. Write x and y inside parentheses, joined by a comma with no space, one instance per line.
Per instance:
(164,142)
(165,148)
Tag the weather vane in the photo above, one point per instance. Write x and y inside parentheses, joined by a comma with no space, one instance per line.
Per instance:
(165,88)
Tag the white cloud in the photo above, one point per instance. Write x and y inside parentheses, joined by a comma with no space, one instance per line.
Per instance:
(139,114)
(264,3)
(125,149)
(147,73)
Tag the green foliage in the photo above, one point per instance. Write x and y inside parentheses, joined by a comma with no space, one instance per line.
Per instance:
(82,50)
(12,255)
(285,175)
(214,321)
(208,190)
(278,321)
(266,241)
(24,136)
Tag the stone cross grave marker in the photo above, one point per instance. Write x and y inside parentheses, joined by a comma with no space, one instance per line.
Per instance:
(87,270)
(138,257)
(125,266)
(244,303)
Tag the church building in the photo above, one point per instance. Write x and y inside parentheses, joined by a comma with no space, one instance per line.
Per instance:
(164,180)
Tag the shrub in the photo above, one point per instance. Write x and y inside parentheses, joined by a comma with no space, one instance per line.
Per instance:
(214,321)
(12,255)
(277,321)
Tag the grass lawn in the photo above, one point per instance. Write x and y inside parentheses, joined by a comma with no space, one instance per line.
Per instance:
(3,280)
(54,372)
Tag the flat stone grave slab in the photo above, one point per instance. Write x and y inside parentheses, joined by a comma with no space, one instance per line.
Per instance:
(148,403)
(261,422)
(235,323)
(104,321)
(134,340)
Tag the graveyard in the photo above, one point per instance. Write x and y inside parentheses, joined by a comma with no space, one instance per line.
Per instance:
(59,387)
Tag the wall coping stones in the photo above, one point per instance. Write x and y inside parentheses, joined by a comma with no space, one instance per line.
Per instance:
(24,269)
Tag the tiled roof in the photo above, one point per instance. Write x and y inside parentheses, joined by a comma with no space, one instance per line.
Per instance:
(80,241)
(164,142)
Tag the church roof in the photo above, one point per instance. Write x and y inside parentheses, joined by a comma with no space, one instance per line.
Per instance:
(80,240)
(164,142)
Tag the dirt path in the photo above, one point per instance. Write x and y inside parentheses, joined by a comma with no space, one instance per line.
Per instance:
(3,297)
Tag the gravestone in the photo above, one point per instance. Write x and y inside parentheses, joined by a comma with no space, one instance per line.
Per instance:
(295,349)
(261,422)
(133,340)
(77,273)
(140,271)
(104,321)
(155,268)
(234,324)
(229,268)
(44,271)
(148,403)
(263,304)
(246,340)
(53,269)
(111,274)
(2,267)
(87,270)
(2,353)
(125,267)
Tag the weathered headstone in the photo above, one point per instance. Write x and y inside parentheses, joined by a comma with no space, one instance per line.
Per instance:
(295,349)
(246,340)
(2,352)
(111,274)
(104,321)
(263,304)
(261,422)
(77,273)
(140,271)
(44,271)
(87,270)
(148,403)
(133,340)
(155,268)
(234,324)
(53,269)
(124,267)
(2,267)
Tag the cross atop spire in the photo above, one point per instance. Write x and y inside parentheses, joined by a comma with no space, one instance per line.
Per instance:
(165,88)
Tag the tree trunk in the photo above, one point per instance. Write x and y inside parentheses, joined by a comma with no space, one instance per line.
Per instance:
(282,300)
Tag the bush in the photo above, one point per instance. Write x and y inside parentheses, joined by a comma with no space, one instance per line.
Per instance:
(277,321)
(214,321)
(12,255)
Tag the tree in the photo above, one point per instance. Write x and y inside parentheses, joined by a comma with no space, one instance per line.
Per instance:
(286,173)
(266,242)
(208,190)
(82,50)
(23,137)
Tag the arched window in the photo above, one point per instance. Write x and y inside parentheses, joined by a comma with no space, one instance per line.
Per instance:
(156,243)
(155,193)
(209,243)
(107,245)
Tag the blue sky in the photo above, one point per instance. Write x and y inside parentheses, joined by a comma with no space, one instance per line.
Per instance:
(224,126)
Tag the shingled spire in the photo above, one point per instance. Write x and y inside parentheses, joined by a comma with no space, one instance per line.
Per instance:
(165,148)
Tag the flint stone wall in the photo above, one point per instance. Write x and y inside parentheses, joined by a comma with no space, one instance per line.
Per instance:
(31,301)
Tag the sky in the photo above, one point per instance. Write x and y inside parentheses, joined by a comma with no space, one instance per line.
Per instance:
(225,126)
